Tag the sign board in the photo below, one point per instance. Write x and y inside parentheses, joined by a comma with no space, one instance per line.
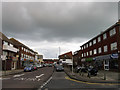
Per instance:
(114,56)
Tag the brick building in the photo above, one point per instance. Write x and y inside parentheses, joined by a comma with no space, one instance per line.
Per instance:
(103,50)
(77,58)
(26,55)
(66,58)
(9,53)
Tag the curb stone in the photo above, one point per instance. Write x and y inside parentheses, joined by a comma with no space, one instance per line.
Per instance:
(91,81)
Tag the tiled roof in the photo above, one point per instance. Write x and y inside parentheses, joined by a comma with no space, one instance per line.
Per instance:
(67,55)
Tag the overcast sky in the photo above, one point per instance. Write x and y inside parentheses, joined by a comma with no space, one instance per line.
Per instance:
(45,27)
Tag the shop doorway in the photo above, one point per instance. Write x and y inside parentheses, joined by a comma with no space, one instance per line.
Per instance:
(106,64)
(14,65)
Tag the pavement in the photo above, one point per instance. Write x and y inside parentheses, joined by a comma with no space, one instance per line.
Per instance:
(111,77)
(61,81)
(10,72)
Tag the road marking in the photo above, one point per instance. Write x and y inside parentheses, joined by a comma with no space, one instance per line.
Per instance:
(18,75)
(39,76)
(4,78)
(45,83)
(91,83)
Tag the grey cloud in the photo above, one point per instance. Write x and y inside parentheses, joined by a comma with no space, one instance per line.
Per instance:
(57,21)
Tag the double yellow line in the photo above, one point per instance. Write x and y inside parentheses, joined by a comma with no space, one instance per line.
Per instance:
(91,83)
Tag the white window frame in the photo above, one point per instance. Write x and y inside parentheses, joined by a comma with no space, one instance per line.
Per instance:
(112,32)
(113,46)
(94,41)
(105,48)
(99,50)
(91,52)
(99,39)
(95,51)
(104,36)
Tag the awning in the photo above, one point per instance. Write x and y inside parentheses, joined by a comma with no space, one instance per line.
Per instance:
(104,57)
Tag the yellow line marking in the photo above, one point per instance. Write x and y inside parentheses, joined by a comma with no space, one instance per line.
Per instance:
(91,83)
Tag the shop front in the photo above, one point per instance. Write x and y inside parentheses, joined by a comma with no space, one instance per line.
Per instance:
(107,62)
(14,63)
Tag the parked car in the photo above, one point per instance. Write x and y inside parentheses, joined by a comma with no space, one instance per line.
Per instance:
(44,65)
(50,65)
(39,65)
(28,68)
(35,67)
(59,68)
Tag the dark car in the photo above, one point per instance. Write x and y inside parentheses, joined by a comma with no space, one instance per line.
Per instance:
(59,68)
(28,68)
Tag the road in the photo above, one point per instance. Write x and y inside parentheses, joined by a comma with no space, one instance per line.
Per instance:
(60,80)
(27,80)
(42,79)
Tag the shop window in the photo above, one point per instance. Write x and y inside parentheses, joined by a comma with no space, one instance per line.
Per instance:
(5,53)
(112,32)
(104,36)
(105,48)
(114,46)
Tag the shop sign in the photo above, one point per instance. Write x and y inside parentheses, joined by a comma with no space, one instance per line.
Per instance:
(114,56)
(105,57)
(14,58)
(88,59)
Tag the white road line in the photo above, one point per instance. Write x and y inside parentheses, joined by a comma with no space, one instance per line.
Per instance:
(45,83)
(4,78)
(39,76)
(18,75)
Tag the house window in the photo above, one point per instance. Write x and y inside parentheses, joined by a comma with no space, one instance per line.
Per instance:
(99,50)
(95,51)
(90,44)
(99,39)
(11,45)
(84,54)
(5,53)
(114,46)
(87,53)
(91,52)
(104,36)
(105,48)
(94,41)
(112,32)
(86,45)
(5,43)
